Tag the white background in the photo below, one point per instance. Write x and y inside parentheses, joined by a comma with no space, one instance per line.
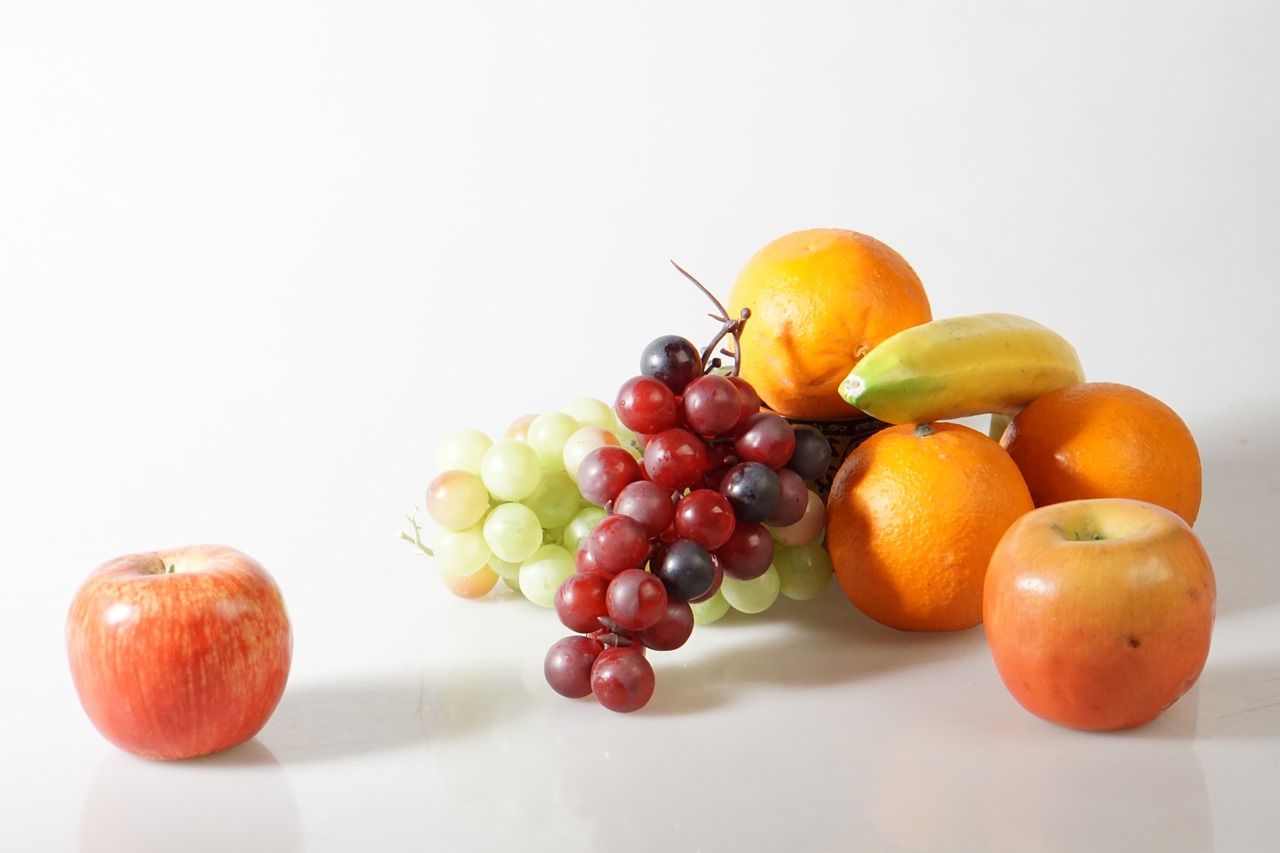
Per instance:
(257,257)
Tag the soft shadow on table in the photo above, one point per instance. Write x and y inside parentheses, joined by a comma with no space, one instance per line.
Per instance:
(819,642)
(358,716)
(348,717)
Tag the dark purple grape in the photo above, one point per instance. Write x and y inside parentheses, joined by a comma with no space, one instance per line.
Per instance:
(793,499)
(765,437)
(812,454)
(685,569)
(635,599)
(569,664)
(753,490)
(672,359)
(748,552)
(622,679)
(716,580)
(579,601)
(711,405)
(649,503)
(672,630)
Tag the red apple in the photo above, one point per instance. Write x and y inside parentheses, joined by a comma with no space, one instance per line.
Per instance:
(1099,612)
(179,653)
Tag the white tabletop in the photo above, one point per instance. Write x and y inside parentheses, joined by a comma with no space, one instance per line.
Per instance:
(257,258)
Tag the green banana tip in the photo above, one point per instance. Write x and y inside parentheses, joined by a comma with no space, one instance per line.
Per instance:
(852,387)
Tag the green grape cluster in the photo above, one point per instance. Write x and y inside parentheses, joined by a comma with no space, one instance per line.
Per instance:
(509,509)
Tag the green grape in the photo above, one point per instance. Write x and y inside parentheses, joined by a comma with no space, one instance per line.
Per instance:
(804,571)
(506,571)
(555,499)
(457,499)
(583,442)
(547,434)
(711,610)
(580,525)
(512,532)
(462,450)
(461,552)
(753,596)
(510,470)
(588,411)
(542,574)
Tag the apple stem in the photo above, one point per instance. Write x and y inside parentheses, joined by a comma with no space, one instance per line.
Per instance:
(416,538)
(924,429)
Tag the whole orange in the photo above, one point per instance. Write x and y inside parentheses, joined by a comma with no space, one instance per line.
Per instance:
(1106,440)
(820,300)
(914,514)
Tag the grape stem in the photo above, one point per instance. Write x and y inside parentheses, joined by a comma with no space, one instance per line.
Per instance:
(731,327)
(416,538)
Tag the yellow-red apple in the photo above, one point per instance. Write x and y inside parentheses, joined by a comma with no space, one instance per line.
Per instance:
(1099,612)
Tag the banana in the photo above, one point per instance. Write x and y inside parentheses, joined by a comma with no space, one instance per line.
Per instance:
(961,366)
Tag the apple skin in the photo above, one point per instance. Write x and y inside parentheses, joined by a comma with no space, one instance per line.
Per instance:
(179,653)
(1099,633)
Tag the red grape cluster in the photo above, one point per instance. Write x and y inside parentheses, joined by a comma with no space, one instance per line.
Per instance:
(715,469)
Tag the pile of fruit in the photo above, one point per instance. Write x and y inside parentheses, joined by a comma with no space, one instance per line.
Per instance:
(711,485)
(828,445)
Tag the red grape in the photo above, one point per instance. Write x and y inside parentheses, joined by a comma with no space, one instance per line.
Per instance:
(765,437)
(569,665)
(618,543)
(645,404)
(622,679)
(579,601)
(711,405)
(672,630)
(675,458)
(750,399)
(648,503)
(748,552)
(793,499)
(582,559)
(604,471)
(635,599)
(706,517)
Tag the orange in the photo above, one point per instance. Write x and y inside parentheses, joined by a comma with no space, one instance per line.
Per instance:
(1106,440)
(820,300)
(914,515)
